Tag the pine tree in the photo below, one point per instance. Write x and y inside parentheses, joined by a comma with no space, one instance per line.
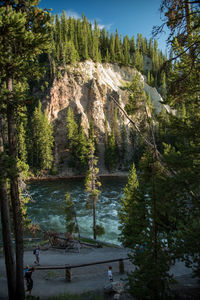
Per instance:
(84,51)
(143,229)
(112,49)
(132,45)
(81,151)
(96,53)
(130,211)
(126,50)
(71,55)
(124,146)
(64,26)
(92,184)
(111,152)
(103,43)
(138,60)
(72,127)
(72,135)
(24,35)
(77,143)
(181,149)
(22,149)
(42,142)
(71,221)
(118,50)
(6,220)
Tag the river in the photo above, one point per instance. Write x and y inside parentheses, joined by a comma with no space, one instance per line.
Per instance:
(47,207)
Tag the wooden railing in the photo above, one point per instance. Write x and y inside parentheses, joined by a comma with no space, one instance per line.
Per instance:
(68,268)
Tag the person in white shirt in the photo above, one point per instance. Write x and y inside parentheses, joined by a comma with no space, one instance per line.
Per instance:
(110,276)
(37,255)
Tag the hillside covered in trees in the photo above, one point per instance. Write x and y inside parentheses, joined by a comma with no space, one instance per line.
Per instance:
(70,42)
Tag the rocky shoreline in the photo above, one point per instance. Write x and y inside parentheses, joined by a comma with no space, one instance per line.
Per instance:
(56,177)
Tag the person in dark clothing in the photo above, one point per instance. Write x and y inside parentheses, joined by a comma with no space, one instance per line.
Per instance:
(29,280)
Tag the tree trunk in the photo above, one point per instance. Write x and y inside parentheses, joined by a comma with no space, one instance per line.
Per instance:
(188,24)
(14,192)
(155,232)
(6,227)
(94,219)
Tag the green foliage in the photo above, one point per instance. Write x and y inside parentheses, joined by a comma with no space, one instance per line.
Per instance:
(54,170)
(92,184)
(100,230)
(70,53)
(71,224)
(51,274)
(30,297)
(23,169)
(72,127)
(131,211)
(22,149)
(22,43)
(77,143)
(75,40)
(84,296)
(24,34)
(123,154)
(42,140)
(182,135)
(111,152)
(136,95)
(164,207)
(143,227)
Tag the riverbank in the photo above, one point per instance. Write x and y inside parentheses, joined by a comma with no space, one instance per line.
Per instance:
(73,176)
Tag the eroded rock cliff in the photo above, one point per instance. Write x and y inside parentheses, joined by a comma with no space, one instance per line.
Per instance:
(87,87)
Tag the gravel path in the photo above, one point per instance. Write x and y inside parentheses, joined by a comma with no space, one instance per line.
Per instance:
(52,282)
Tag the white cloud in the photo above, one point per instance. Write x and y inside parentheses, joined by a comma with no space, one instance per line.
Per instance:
(101,26)
(74,14)
(71,13)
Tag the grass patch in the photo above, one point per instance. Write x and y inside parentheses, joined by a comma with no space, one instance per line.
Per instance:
(51,274)
(30,297)
(91,241)
(84,296)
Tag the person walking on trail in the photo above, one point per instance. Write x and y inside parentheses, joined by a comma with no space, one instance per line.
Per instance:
(110,275)
(29,280)
(36,252)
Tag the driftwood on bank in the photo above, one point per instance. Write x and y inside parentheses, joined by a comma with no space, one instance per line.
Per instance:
(66,242)
(101,243)
(56,240)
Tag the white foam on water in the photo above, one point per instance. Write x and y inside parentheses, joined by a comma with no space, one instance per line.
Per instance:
(48,208)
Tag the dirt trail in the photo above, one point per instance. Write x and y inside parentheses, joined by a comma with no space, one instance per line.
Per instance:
(52,283)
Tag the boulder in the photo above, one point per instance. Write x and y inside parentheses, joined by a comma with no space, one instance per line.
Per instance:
(114,287)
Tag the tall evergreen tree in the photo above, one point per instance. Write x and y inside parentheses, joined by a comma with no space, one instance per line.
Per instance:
(82,151)
(92,184)
(71,220)
(126,50)
(181,153)
(111,152)
(144,230)
(96,52)
(24,30)
(6,221)
(42,143)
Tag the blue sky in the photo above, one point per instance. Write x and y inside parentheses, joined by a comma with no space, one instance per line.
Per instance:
(129,17)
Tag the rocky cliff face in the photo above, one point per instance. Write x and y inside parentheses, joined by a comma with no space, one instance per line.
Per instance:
(87,87)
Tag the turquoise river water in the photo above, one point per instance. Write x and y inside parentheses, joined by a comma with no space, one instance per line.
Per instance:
(47,207)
